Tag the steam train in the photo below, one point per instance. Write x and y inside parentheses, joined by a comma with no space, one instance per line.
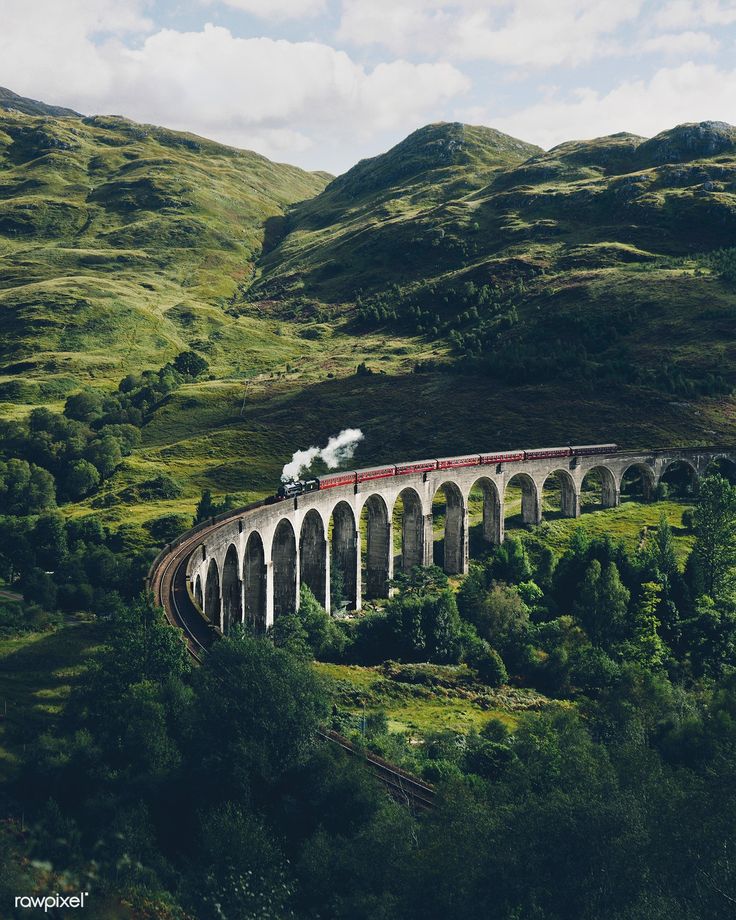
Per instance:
(332,480)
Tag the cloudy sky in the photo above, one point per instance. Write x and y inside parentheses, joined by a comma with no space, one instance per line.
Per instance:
(322,83)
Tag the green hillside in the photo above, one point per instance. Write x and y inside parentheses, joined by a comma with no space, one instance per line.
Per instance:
(380,221)
(122,243)
(12,102)
(492,293)
(585,261)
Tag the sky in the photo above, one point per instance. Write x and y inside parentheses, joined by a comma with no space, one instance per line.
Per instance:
(324,83)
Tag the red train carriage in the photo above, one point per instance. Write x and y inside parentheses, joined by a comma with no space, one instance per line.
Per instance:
(449,463)
(506,456)
(542,453)
(586,449)
(375,472)
(332,480)
(415,466)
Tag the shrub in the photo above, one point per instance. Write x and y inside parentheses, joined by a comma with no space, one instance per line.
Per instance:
(190,364)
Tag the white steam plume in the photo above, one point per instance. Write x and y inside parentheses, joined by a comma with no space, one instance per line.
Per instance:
(339,448)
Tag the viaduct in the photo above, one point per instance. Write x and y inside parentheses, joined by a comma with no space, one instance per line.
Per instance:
(248,565)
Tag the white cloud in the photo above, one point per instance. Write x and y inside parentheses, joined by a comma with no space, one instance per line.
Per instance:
(687,93)
(46,47)
(524,33)
(680,44)
(682,14)
(279,97)
(278,9)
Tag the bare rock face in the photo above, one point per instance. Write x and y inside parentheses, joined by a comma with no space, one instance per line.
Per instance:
(686,143)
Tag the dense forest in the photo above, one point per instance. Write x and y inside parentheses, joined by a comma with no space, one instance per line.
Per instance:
(203,790)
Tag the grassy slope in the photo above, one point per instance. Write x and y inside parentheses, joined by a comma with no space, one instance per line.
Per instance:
(368,227)
(37,672)
(600,232)
(122,243)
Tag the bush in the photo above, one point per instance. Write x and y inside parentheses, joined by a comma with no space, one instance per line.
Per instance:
(167,528)
(81,479)
(25,488)
(190,364)
(84,406)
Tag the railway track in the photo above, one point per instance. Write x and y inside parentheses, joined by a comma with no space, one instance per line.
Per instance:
(167,582)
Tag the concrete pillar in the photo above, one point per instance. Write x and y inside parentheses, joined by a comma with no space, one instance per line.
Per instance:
(285,559)
(326,588)
(531,503)
(428,540)
(255,584)
(269,594)
(492,516)
(465,559)
(569,498)
(357,569)
(455,561)
(412,533)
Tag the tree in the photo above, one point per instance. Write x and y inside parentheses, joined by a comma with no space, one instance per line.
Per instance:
(39,588)
(25,488)
(511,562)
(659,550)
(484,659)
(503,618)
(257,709)
(714,551)
(602,604)
(647,646)
(49,540)
(190,364)
(710,636)
(424,620)
(81,479)
(105,454)
(315,620)
(84,406)
(168,527)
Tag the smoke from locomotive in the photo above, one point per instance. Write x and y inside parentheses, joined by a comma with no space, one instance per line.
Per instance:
(339,448)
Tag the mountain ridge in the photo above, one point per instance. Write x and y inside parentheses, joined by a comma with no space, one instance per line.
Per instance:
(11,101)
(459,250)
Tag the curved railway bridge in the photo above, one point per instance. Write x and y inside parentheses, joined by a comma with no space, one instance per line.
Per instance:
(248,564)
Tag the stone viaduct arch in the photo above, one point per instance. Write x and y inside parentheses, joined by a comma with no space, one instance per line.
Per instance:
(492,521)
(212,605)
(377,555)
(254,582)
(250,565)
(412,528)
(313,556)
(531,505)
(607,485)
(232,591)
(455,537)
(345,554)
(285,569)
